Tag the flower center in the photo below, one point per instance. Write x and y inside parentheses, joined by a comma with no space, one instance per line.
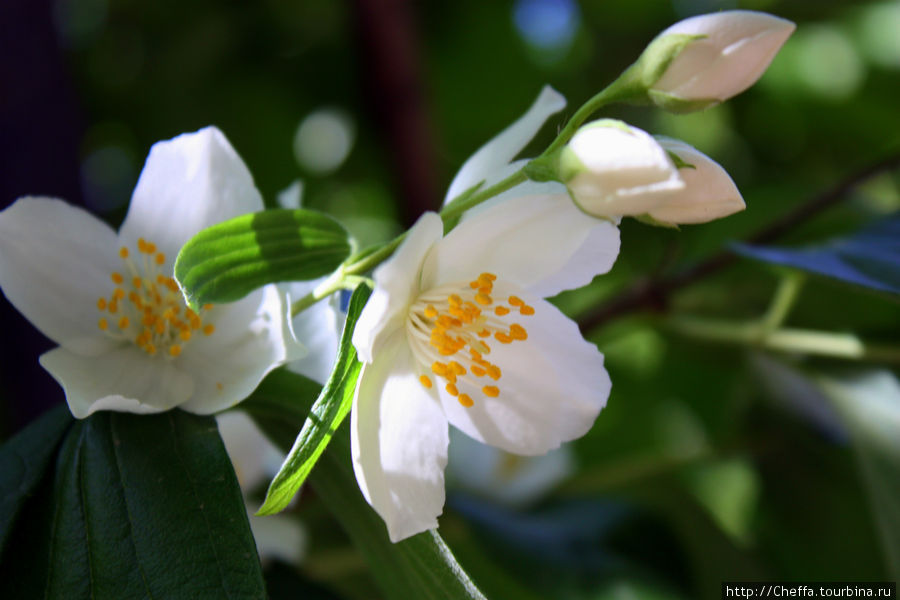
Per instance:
(146,306)
(450,329)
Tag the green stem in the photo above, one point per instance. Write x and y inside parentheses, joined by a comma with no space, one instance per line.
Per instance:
(783,301)
(454,208)
(626,87)
(803,341)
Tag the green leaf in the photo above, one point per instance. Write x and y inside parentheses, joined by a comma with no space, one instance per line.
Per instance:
(23,461)
(227,261)
(139,507)
(420,567)
(329,410)
(870,406)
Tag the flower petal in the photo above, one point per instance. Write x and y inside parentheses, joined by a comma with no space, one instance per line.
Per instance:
(399,442)
(188,183)
(319,329)
(55,262)
(124,379)
(488,162)
(396,285)
(252,336)
(552,387)
(540,243)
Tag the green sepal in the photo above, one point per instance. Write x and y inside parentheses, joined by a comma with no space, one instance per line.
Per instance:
(659,54)
(545,168)
(679,162)
(678,105)
(646,219)
(326,415)
(227,261)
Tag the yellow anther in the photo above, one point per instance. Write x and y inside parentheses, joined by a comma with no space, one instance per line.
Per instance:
(219,386)
(151,248)
(503,338)
(501,311)
(474,284)
(160,326)
(465,400)
(117,278)
(454,300)
(208,329)
(118,293)
(160,258)
(438,368)
(101,304)
(205,307)
(457,368)
(431,312)
(185,335)
(172,285)
(484,333)
(517,332)
(113,306)
(174,350)
(161,279)
(486,289)
(135,299)
(137,282)
(487,277)
(482,298)
(102,324)
(123,252)
(425,381)
(150,349)
(451,389)
(142,245)
(526,310)
(148,319)
(123,323)
(141,339)
(491,390)
(477,371)
(493,372)
(516,301)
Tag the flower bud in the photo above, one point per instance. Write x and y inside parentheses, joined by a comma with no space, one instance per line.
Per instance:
(613,169)
(707,59)
(709,191)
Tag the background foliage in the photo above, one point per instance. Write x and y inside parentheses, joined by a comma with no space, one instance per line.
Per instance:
(702,468)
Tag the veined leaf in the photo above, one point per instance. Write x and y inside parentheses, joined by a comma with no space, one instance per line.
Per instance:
(23,461)
(869,258)
(420,567)
(138,507)
(227,261)
(326,415)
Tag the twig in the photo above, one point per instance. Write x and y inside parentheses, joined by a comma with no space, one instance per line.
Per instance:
(654,294)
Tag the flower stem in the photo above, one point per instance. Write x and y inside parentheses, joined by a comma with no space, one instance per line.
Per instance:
(803,341)
(625,87)
(455,208)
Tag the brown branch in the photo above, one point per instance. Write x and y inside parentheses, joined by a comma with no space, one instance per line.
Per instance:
(654,294)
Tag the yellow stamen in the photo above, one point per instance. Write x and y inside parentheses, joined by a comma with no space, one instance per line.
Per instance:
(451,389)
(117,278)
(517,332)
(123,252)
(160,258)
(101,304)
(491,390)
(501,311)
(482,298)
(174,350)
(208,329)
(123,323)
(425,381)
(185,335)
(102,324)
(465,400)
(526,310)
(431,312)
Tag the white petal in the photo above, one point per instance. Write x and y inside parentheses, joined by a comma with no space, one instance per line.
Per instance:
(125,379)
(318,328)
(396,286)
(540,243)
(188,183)
(55,262)
(738,47)
(487,163)
(709,191)
(399,442)
(252,336)
(552,388)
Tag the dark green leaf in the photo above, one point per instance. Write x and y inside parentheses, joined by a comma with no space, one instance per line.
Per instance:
(869,258)
(23,462)
(142,507)
(329,410)
(420,567)
(227,261)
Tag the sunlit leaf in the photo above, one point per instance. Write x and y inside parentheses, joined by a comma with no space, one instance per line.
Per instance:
(326,415)
(227,261)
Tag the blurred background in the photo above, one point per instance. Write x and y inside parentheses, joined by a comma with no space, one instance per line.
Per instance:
(711,462)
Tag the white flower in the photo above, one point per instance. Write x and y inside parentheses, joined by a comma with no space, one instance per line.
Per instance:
(736,48)
(709,191)
(613,169)
(126,340)
(456,330)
